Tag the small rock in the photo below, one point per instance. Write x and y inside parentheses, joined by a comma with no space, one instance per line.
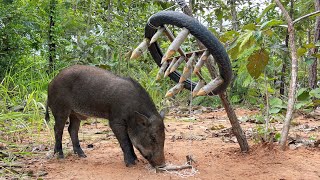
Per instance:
(292,147)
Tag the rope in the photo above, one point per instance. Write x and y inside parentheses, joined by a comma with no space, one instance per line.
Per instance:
(182,3)
(185,173)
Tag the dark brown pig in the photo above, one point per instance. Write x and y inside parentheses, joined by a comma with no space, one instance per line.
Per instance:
(80,91)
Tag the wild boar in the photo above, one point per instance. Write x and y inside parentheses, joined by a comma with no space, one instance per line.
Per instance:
(82,91)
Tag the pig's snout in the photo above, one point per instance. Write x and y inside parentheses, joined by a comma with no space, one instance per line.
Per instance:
(158,160)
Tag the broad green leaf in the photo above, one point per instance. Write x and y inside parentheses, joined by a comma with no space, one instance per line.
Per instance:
(129,2)
(301,51)
(246,40)
(271,90)
(228,36)
(300,91)
(267,9)
(218,12)
(317,55)
(276,102)
(233,50)
(274,110)
(250,26)
(299,105)
(303,94)
(310,45)
(257,62)
(309,60)
(273,22)
(268,32)
(315,93)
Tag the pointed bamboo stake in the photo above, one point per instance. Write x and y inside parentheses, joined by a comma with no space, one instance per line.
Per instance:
(189,63)
(143,46)
(199,85)
(175,89)
(187,69)
(210,87)
(174,60)
(200,63)
(170,36)
(156,36)
(174,46)
(161,70)
(185,76)
(177,64)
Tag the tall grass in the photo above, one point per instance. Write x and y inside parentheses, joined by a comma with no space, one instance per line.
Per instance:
(22,103)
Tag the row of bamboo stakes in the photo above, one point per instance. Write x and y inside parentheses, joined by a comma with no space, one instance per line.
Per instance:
(170,64)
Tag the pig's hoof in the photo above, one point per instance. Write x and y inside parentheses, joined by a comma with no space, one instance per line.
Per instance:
(82,155)
(60,156)
(131,162)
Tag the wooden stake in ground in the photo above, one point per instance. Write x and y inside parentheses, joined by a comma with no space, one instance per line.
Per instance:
(293,81)
(224,99)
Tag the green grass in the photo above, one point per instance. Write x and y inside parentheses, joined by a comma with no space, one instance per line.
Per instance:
(22,105)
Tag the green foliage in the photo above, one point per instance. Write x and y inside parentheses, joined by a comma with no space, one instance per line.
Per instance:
(307,99)
(257,62)
(276,105)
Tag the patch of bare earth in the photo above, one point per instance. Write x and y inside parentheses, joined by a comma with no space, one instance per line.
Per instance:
(217,155)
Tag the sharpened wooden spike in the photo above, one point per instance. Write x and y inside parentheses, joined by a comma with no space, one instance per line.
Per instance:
(174,90)
(174,60)
(176,43)
(198,66)
(177,64)
(200,63)
(156,36)
(161,70)
(205,55)
(197,88)
(189,63)
(186,74)
(210,86)
(140,49)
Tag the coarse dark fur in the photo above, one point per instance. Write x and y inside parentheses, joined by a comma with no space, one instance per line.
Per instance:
(81,91)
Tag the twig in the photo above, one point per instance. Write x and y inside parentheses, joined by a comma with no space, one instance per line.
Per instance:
(305,16)
(173,168)
(4,165)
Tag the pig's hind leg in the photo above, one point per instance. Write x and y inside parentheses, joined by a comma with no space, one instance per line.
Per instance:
(73,131)
(60,121)
(120,131)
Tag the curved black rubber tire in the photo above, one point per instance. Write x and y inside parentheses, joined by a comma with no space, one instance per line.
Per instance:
(201,33)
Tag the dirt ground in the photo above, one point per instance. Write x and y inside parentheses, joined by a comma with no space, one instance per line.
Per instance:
(205,136)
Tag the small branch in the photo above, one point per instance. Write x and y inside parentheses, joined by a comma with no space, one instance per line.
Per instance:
(173,168)
(4,165)
(305,16)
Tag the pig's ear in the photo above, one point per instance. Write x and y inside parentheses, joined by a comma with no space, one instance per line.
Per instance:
(141,119)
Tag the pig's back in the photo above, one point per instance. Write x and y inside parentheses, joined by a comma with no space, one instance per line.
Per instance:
(89,89)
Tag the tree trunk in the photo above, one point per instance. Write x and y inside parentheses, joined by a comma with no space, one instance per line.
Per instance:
(235,24)
(284,62)
(51,41)
(294,72)
(313,67)
(236,128)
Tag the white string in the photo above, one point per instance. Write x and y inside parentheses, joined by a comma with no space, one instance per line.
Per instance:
(182,3)
(185,173)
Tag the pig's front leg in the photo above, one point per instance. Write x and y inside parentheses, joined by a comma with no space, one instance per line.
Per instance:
(120,131)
